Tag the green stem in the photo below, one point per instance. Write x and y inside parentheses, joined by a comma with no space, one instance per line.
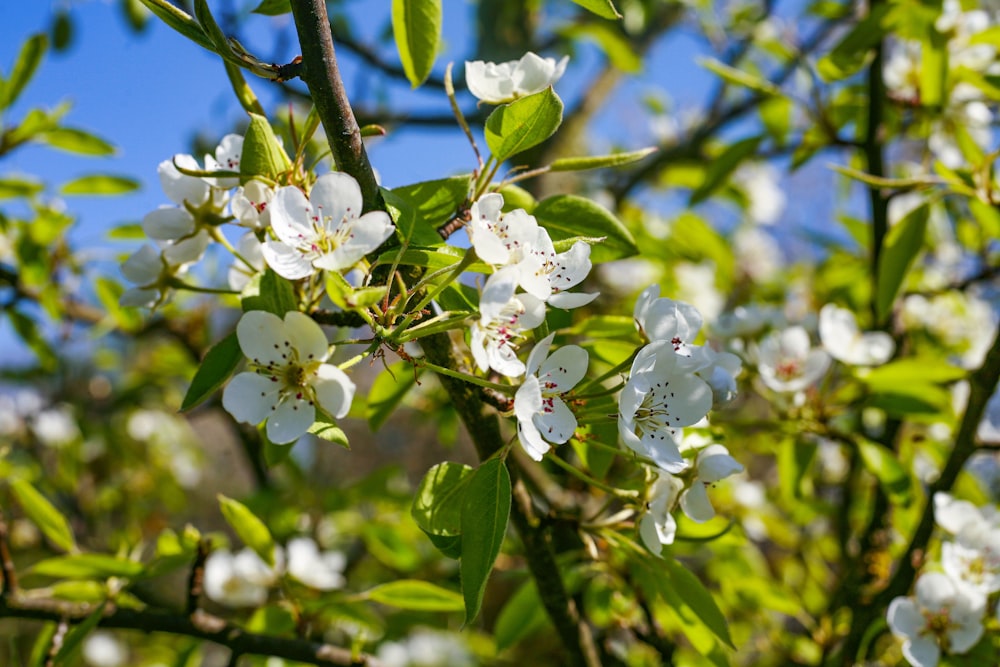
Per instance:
(465,377)
(587,479)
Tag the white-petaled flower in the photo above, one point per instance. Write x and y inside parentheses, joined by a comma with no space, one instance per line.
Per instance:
(760,182)
(504,318)
(103,649)
(942,616)
(322,571)
(251,205)
(227,158)
(657,527)
(325,231)
(839,333)
(287,377)
(662,396)
(500,238)
(499,83)
(712,464)
(240,580)
(719,370)
(151,270)
(547,275)
(180,188)
(541,413)
(787,361)
(168,223)
(954,515)
(663,319)
(251,250)
(973,559)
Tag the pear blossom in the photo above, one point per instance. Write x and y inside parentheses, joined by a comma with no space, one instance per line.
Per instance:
(287,378)
(152,271)
(325,231)
(787,361)
(712,464)
(322,571)
(251,205)
(504,318)
(227,158)
(658,527)
(954,515)
(547,275)
(941,617)
(500,238)
(839,333)
(238,580)
(662,319)
(499,83)
(240,273)
(104,649)
(541,413)
(973,559)
(760,182)
(661,396)
(719,370)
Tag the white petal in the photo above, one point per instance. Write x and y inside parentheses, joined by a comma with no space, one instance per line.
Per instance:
(168,223)
(262,338)
(696,504)
(290,420)
(188,250)
(564,369)
(139,298)
(539,352)
(367,234)
(334,390)
(291,216)
(503,360)
(286,261)
(656,536)
(528,399)
(904,617)
(964,636)
(531,440)
(490,82)
(568,300)
(497,292)
(663,450)
(558,425)
(306,337)
(922,652)
(574,265)
(336,197)
(249,397)
(143,267)
(935,591)
(180,188)
(715,463)
(534,311)
(533,278)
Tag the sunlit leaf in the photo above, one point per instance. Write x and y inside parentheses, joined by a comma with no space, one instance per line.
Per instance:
(249,527)
(485,511)
(416,26)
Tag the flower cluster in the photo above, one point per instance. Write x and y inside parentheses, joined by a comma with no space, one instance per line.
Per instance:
(945,614)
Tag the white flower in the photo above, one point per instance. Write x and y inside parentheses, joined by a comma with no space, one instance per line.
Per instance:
(251,205)
(103,649)
(499,83)
(324,232)
(288,377)
(168,223)
(657,527)
(322,571)
(547,275)
(663,319)
(500,239)
(712,464)
(504,318)
(227,158)
(942,617)
(55,426)
(240,580)
(181,188)
(839,333)
(152,270)
(955,515)
(541,413)
(251,250)
(973,560)
(760,182)
(662,396)
(787,362)
(719,370)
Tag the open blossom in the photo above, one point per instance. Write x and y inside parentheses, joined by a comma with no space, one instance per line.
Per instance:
(288,377)
(658,527)
(251,205)
(941,617)
(500,238)
(325,231)
(227,158)
(839,333)
(662,319)
(662,396)
(787,361)
(712,464)
(320,570)
(104,649)
(542,416)
(238,580)
(503,319)
(151,270)
(499,83)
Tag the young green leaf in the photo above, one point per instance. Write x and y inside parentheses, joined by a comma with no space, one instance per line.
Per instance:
(24,69)
(525,122)
(388,391)
(219,363)
(76,141)
(179,21)
(73,641)
(325,428)
(692,596)
(522,615)
(211,28)
(485,512)
(251,529)
(603,8)
(722,166)
(902,244)
(87,566)
(437,505)
(100,184)
(887,469)
(11,187)
(849,55)
(273,7)
(415,595)
(416,26)
(262,152)
(567,216)
(738,77)
(44,515)
(600,161)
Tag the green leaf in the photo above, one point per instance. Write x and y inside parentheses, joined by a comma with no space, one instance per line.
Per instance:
(211,28)
(244,93)
(272,619)
(437,504)
(850,54)
(88,566)
(73,640)
(902,243)
(76,141)
(776,113)
(485,512)
(416,26)
(910,371)
(610,39)
(603,8)
(44,515)
(11,187)
(136,14)
(179,21)
(933,69)
(43,643)
(273,7)
(693,598)
(567,216)
(525,122)
(219,363)
(80,591)
(738,77)
(251,529)
(522,615)
(415,596)
(62,30)
(24,68)
(723,165)
(427,205)
(432,258)
(387,391)
(887,469)
(262,152)
(325,428)
(599,161)
(275,295)
(100,184)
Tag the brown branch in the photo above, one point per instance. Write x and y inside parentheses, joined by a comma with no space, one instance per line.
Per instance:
(196,579)
(199,625)
(7,570)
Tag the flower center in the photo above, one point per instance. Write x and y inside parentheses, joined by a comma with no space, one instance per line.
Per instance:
(653,415)
(788,369)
